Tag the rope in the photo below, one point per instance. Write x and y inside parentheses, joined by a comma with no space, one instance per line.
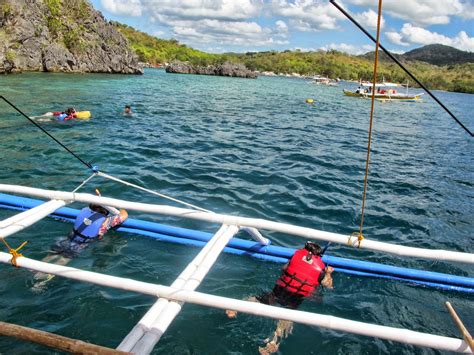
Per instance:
(401,66)
(359,234)
(14,252)
(89,165)
(84,182)
(151,191)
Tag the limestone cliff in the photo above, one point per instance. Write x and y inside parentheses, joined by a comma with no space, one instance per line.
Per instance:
(61,36)
(226,69)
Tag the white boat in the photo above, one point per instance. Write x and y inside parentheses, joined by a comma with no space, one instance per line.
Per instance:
(321,80)
(384,92)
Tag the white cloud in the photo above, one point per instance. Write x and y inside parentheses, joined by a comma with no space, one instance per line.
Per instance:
(281,26)
(226,10)
(218,33)
(123,7)
(423,12)
(396,38)
(349,48)
(369,19)
(307,15)
(410,34)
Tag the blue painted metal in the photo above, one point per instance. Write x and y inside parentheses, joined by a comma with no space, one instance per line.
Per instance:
(268,253)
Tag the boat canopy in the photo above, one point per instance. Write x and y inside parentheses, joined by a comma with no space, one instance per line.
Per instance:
(378,85)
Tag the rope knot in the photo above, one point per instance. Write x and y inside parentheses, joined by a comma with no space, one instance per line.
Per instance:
(15,254)
(358,235)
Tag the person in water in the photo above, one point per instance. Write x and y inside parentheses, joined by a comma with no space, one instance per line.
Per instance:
(67,115)
(127,111)
(91,224)
(300,278)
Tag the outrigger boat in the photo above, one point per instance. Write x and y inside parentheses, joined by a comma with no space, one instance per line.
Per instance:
(149,330)
(170,299)
(384,92)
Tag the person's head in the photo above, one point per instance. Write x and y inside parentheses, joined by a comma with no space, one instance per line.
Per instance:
(71,110)
(128,109)
(313,248)
(99,209)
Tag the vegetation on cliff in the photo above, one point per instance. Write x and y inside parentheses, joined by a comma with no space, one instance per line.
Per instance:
(334,64)
(61,36)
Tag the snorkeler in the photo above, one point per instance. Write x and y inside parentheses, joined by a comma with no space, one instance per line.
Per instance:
(300,278)
(91,224)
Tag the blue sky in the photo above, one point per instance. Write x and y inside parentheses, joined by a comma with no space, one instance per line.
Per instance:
(259,25)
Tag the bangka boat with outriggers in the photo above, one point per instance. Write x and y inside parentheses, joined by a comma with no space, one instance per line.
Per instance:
(384,92)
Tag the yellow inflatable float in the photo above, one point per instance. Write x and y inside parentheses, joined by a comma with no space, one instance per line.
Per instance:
(83,115)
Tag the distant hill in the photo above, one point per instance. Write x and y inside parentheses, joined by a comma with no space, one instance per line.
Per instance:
(439,54)
(436,54)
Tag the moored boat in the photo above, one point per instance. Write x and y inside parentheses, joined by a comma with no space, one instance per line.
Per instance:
(384,92)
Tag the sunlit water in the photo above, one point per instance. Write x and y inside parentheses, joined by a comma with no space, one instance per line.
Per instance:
(251,148)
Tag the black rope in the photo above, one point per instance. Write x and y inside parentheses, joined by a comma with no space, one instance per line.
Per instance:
(401,66)
(89,165)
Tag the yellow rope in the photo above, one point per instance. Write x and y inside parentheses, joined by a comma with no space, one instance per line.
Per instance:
(359,234)
(14,252)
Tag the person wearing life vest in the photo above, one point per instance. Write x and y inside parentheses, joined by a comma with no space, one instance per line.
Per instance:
(300,278)
(67,115)
(90,224)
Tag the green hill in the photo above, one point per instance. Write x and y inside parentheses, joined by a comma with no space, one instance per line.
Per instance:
(155,51)
(334,64)
(439,54)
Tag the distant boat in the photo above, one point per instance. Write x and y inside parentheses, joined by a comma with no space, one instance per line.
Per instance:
(320,80)
(385,92)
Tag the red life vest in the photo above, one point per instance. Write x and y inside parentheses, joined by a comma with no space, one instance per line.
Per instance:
(302,276)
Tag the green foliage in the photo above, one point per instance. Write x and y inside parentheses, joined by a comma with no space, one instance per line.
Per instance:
(157,51)
(73,39)
(6,10)
(55,24)
(77,9)
(10,56)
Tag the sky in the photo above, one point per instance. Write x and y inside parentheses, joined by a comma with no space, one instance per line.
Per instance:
(218,26)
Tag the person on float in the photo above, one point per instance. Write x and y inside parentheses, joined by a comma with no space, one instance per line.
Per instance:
(300,278)
(67,115)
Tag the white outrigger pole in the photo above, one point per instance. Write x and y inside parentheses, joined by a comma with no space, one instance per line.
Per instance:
(310,233)
(151,327)
(182,295)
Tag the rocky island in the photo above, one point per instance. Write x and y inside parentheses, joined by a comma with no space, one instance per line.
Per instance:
(61,36)
(226,69)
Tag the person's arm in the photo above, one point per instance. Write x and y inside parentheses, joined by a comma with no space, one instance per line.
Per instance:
(327,280)
(113,221)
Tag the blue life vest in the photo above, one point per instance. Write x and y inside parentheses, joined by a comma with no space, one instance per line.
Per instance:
(62,116)
(87,225)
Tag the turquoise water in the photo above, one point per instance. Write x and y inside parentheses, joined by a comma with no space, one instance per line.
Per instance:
(251,148)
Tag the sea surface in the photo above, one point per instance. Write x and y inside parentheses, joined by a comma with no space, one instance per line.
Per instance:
(251,148)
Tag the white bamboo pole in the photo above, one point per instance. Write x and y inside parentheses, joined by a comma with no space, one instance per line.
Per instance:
(169,313)
(309,233)
(21,215)
(150,317)
(256,235)
(27,218)
(320,320)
